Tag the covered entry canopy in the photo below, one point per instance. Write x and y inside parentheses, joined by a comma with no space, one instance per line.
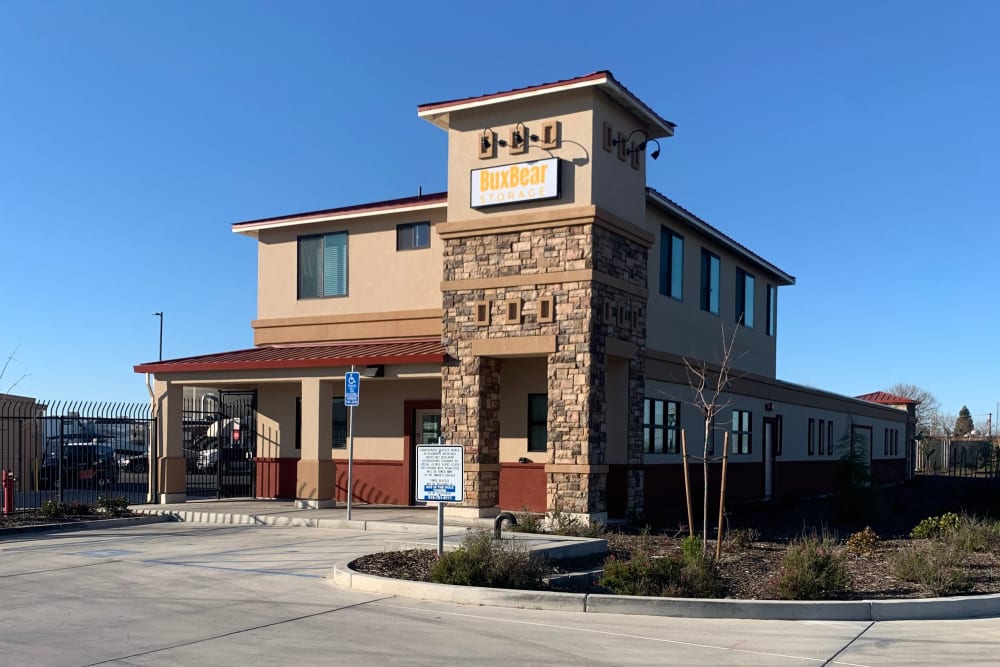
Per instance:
(346,353)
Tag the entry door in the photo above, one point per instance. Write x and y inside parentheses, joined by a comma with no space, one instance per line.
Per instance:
(772,448)
(426,426)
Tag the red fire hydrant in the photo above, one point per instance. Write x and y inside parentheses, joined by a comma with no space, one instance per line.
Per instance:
(8,480)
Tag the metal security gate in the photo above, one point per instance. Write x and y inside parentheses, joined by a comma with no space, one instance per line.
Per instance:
(219,446)
(73,453)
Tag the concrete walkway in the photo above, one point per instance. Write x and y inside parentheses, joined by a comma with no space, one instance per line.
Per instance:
(417,528)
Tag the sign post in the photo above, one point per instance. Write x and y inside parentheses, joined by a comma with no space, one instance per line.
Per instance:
(352,398)
(440,477)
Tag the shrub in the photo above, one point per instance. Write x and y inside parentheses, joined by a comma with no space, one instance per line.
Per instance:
(811,569)
(972,535)
(741,539)
(692,548)
(52,509)
(863,543)
(935,526)
(115,507)
(932,567)
(483,561)
(670,576)
(529,522)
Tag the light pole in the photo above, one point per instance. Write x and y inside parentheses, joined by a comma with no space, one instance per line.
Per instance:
(160,315)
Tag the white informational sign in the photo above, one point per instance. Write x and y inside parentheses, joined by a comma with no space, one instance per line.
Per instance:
(513,183)
(439,473)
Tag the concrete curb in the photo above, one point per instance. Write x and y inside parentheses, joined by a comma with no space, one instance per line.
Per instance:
(297,521)
(96,524)
(777,610)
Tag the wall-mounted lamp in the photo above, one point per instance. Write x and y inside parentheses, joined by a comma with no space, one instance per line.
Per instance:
(373,371)
(641,146)
(517,136)
(484,143)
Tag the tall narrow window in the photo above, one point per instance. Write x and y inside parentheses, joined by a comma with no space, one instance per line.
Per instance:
(323,266)
(810,437)
(829,437)
(709,282)
(741,432)
(671,264)
(661,425)
(538,407)
(413,236)
(822,436)
(339,424)
(772,309)
(744,298)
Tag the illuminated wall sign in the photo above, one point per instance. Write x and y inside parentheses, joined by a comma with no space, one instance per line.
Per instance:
(513,183)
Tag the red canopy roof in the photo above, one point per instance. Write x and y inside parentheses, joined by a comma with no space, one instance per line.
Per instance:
(346,353)
(886,398)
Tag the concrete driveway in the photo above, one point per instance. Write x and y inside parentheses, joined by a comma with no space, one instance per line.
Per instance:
(187,594)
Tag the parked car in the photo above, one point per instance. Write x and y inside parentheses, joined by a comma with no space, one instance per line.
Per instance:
(90,464)
(137,462)
(203,454)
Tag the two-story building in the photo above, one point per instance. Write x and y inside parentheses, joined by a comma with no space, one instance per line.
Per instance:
(539,313)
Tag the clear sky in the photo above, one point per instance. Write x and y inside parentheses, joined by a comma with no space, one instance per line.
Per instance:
(853,144)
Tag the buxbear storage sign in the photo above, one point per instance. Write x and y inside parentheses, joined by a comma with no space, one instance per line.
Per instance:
(513,183)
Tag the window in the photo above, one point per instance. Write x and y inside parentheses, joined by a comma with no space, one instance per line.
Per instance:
(741,432)
(772,309)
(339,424)
(671,264)
(709,282)
(829,437)
(661,426)
(744,298)
(413,236)
(323,266)
(538,408)
(811,436)
(822,436)
(891,445)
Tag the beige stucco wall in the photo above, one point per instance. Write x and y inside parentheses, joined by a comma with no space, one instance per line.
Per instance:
(683,328)
(573,111)
(378,420)
(380,278)
(518,378)
(795,421)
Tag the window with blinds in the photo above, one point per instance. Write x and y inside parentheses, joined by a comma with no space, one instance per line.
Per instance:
(323,266)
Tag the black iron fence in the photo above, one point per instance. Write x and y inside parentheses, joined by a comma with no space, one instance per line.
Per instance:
(219,445)
(973,459)
(76,452)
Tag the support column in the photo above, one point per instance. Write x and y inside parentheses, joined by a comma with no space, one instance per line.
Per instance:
(316,478)
(471,415)
(171,472)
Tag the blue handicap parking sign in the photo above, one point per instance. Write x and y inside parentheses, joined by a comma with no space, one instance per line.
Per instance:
(352,389)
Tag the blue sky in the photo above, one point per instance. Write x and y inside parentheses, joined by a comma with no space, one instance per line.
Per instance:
(853,144)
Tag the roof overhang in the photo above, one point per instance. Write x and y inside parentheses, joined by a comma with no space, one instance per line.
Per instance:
(409,205)
(439,113)
(713,233)
(291,357)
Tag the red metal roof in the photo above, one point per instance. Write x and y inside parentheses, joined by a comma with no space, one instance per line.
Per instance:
(885,398)
(387,205)
(347,353)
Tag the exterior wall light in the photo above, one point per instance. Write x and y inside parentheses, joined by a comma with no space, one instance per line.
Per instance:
(641,146)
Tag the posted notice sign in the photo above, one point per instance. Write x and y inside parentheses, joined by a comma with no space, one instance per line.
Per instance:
(439,473)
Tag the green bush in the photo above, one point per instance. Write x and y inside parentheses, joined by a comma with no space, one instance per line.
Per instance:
(667,576)
(931,566)
(529,522)
(812,569)
(116,507)
(935,526)
(483,561)
(973,535)
(52,509)
(693,548)
(863,543)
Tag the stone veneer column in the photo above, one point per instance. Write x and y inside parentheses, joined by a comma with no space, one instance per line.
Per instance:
(470,416)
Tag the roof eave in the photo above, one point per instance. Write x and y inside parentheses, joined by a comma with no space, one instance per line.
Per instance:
(289,364)
(710,231)
(252,227)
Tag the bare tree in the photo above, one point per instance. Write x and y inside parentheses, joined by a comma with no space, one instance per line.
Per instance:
(928,408)
(707,386)
(6,365)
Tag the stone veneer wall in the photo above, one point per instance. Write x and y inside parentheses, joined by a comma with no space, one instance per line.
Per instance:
(576,370)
